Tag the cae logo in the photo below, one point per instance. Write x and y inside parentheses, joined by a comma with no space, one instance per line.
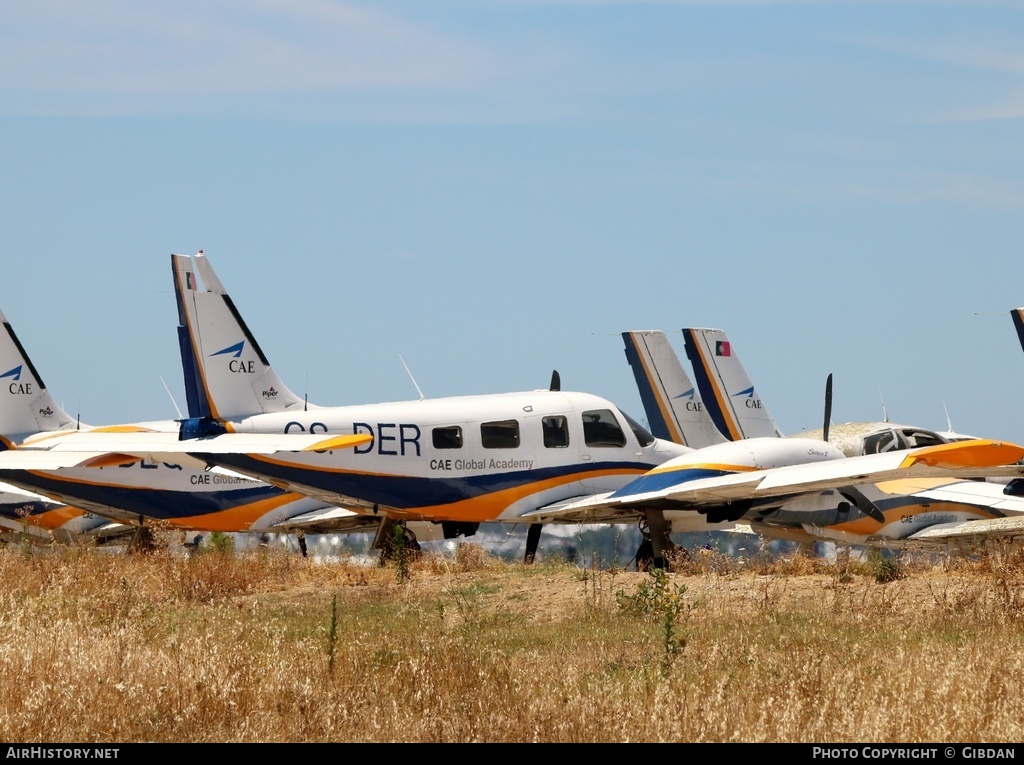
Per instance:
(236,364)
(17,386)
(692,405)
(751,402)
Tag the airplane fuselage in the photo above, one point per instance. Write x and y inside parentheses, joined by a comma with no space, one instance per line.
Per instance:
(470,458)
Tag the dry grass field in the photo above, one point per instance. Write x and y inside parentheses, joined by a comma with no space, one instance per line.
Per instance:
(267,646)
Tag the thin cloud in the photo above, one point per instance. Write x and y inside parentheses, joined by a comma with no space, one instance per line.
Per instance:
(309,59)
(223,47)
(993,57)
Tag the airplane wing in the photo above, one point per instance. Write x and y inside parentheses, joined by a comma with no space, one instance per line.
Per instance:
(974,493)
(969,532)
(960,536)
(100,448)
(697,487)
(330,520)
(675,485)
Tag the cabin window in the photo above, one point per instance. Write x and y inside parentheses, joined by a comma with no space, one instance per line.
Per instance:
(503,434)
(447,438)
(556,432)
(600,428)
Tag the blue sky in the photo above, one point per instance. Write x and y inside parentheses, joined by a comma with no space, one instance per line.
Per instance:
(492,190)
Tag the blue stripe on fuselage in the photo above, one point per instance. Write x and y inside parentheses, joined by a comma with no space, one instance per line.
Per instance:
(19,511)
(151,503)
(411,492)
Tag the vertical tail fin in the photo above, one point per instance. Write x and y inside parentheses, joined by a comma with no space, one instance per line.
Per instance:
(671,402)
(26,407)
(1018,324)
(195,391)
(227,376)
(725,386)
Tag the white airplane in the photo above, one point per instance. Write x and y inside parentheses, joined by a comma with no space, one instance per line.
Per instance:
(457,461)
(118,493)
(545,456)
(886,513)
(470,438)
(27,514)
(1010,528)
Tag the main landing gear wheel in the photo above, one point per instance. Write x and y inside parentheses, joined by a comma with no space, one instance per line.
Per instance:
(392,544)
(656,548)
(644,557)
(142,540)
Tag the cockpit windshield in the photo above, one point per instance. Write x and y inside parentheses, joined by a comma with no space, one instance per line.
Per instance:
(884,441)
(641,433)
(898,439)
(918,437)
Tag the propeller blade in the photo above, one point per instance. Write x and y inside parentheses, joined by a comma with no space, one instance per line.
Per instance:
(828,407)
(863,504)
(556,381)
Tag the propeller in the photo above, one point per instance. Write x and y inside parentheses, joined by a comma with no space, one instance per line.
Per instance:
(863,504)
(828,407)
(556,381)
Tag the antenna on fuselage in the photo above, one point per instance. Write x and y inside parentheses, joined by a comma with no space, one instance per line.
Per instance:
(411,377)
(556,381)
(173,402)
(885,414)
(828,407)
(949,422)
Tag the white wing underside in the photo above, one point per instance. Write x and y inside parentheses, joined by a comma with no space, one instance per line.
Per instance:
(782,482)
(82,448)
(973,531)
